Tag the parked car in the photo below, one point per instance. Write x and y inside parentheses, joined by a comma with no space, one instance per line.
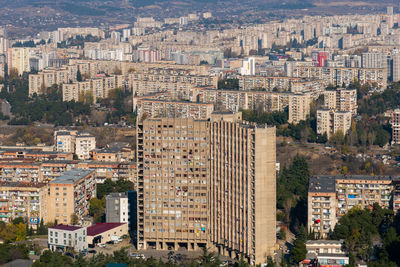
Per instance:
(137,256)
(101,245)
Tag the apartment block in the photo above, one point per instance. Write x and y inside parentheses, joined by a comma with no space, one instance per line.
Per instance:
(73,142)
(395,122)
(299,107)
(341,99)
(331,197)
(234,100)
(65,140)
(18,58)
(173,182)
(117,208)
(84,143)
(61,237)
(70,194)
(341,75)
(173,109)
(93,88)
(24,199)
(330,122)
(243,189)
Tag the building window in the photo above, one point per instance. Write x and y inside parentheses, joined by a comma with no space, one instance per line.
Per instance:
(51,240)
(51,233)
(56,234)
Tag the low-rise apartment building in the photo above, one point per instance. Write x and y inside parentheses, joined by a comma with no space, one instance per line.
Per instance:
(24,199)
(61,237)
(84,143)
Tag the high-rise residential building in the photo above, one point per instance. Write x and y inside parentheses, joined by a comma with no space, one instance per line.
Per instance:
(18,58)
(341,99)
(389,10)
(117,208)
(396,66)
(331,197)
(374,60)
(70,194)
(330,121)
(173,182)
(299,107)
(206,183)
(243,190)
(395,122)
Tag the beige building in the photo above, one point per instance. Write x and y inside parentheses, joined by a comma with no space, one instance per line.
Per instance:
(330,122)
(243,190)
(65,140)
(105,232)
(341,99)
(70,194)
(299,107)
(173,181)
(18,58)
(84,143)
(173,109)
(207,183)
(24,199)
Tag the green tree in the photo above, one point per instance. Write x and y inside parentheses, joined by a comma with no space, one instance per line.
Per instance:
(298,251)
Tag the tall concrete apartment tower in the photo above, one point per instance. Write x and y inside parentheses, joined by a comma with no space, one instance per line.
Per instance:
(173,183)
(207,183)
(243,189)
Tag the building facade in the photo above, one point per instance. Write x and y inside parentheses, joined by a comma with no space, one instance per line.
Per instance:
(243,190)
(173,181)
(117,208)
(61,237)
(69,194)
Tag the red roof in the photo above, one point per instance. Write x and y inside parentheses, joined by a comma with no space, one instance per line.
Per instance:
(66,227)
(99,228)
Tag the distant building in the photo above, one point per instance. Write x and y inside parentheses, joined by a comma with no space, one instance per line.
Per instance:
(330,122)
(84,143)
(299,107)
(395,122)
(341,99)
(61,237)
(248,67)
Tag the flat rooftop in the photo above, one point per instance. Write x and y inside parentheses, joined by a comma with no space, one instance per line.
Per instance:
(72,176)
(65,227)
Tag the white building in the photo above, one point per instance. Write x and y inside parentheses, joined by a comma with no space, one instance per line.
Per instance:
(249,66)
(62,236)
(117,208)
